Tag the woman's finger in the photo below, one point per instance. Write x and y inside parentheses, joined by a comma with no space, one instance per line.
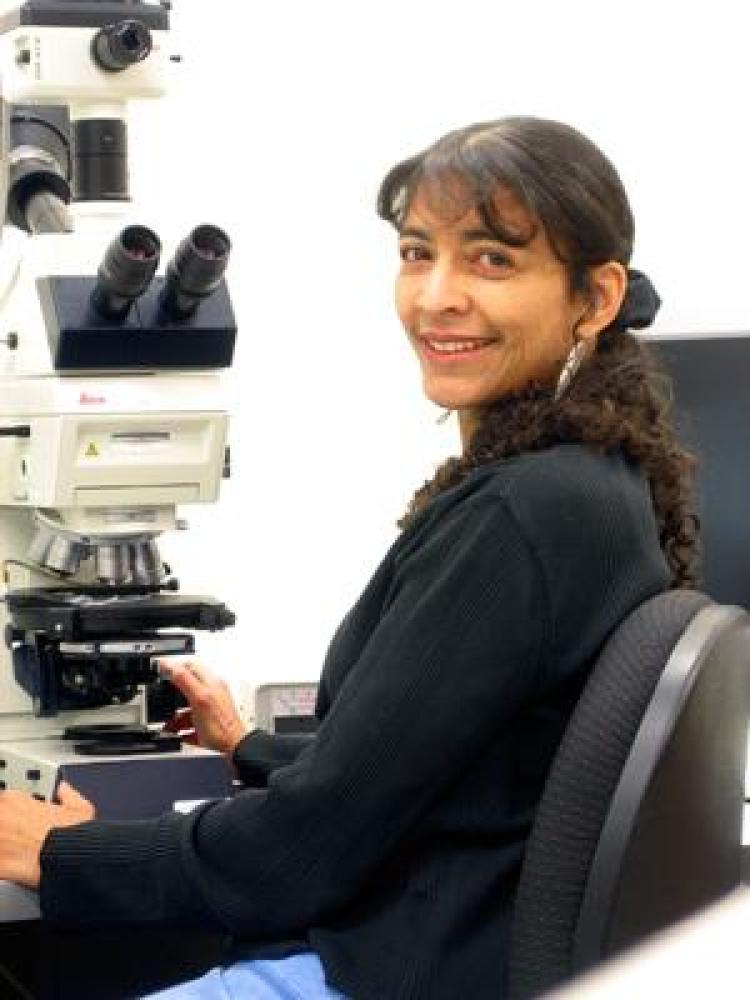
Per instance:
(70,798)
(184,679)
(194,667)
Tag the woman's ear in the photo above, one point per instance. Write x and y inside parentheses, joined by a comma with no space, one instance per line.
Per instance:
(608,284)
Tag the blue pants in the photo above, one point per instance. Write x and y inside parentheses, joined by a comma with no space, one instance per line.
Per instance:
(299,977)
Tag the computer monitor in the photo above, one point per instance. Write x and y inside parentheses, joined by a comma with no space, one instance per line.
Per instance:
(711,374)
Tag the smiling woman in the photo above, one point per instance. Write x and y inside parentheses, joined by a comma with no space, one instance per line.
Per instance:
(488,316)
(492,265)
(514,289)
(379,858)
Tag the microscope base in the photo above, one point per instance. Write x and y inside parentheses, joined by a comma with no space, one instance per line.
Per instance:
(125,787)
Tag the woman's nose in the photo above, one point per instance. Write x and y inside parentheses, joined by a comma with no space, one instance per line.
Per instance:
(442,290)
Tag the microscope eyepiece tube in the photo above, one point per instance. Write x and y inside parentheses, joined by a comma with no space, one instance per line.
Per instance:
(129,264)
(195,271)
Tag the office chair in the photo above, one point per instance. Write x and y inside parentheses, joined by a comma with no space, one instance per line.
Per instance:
(640,820)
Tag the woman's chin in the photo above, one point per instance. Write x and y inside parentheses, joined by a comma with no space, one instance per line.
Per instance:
(453,392)
(449,400)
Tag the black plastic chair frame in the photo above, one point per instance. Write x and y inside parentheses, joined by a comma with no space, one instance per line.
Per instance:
(640,821)
(671,694)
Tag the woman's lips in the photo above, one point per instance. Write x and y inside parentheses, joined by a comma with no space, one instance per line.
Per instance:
(452,350)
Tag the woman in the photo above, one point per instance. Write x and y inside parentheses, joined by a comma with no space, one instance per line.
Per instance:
(382,854)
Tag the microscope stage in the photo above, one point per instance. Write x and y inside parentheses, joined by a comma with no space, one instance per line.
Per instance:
(75,613)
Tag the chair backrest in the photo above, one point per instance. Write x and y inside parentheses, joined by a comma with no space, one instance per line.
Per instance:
(640,820)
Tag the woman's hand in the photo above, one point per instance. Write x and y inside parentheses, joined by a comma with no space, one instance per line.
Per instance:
(24,825)
(217,723)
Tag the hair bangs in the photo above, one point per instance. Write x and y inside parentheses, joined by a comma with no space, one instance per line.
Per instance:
(455,177)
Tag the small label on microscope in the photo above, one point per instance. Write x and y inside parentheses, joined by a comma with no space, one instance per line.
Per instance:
(143,514)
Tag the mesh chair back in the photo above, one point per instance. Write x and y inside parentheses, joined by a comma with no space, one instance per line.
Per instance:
(585,851)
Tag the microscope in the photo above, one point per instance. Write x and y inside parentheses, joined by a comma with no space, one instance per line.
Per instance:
(112,416)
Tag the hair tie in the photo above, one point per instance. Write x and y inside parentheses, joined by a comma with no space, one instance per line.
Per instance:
(640,305)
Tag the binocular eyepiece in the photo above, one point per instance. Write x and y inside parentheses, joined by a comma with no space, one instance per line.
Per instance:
(130,263)
(195,271)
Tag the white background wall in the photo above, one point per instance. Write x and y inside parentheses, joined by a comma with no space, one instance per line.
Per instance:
(285,118)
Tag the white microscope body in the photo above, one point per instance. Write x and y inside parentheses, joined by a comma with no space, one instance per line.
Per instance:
(112,414)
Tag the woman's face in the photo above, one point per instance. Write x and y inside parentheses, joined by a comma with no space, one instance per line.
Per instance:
(484,318)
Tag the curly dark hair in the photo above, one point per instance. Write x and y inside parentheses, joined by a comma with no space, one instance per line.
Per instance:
(621,398)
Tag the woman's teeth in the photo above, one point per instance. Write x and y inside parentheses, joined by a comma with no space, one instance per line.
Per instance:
(456,347)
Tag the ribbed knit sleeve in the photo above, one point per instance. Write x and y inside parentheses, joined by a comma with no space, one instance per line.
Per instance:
(454,656)
(260,753)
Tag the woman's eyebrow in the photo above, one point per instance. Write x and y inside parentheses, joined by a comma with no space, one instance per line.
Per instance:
(479,235)
(475,235)
(414,233)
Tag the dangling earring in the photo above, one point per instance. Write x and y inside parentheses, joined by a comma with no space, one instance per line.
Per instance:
(573,362)
(443,416)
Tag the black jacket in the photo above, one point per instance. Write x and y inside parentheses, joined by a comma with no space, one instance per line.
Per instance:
(390,843)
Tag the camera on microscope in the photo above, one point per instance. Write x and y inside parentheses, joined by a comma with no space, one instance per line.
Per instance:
(120,45)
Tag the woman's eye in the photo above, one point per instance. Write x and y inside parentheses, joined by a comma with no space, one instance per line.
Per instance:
(493,259)
(411,254)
